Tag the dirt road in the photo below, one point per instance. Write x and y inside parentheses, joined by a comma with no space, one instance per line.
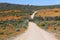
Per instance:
(35,33)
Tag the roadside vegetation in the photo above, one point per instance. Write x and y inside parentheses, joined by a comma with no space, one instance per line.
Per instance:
(13,18)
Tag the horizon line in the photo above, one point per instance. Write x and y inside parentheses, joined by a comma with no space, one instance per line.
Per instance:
(30,4)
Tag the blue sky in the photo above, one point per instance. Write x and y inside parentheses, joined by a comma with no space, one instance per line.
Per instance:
(32,2)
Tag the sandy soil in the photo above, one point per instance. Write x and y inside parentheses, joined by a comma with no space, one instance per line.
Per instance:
(35,33)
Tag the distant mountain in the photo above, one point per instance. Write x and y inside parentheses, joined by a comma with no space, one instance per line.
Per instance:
(8,6)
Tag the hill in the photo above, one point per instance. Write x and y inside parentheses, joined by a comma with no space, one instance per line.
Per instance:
(13,18)
(7,6)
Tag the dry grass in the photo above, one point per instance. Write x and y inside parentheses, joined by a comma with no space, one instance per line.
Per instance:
(49,12)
